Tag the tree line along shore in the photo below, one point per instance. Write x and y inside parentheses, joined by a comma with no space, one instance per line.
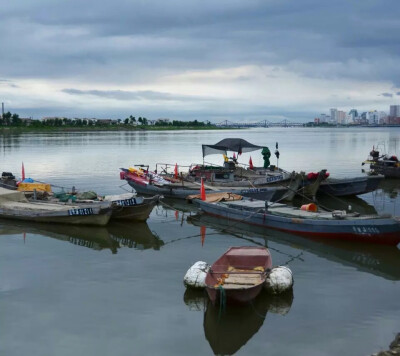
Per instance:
(12,122)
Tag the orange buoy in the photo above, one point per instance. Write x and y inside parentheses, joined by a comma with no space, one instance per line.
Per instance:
(309,207)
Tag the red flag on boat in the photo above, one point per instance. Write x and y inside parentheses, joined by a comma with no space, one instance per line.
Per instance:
(176,170)
(23,171)
(251,163)
(202,234)
(202,191)
(234,156)
(176,214)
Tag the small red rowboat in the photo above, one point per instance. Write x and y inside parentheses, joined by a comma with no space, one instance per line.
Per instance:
(238,275)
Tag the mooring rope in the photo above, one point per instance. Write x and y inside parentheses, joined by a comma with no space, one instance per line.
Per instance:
(222,301)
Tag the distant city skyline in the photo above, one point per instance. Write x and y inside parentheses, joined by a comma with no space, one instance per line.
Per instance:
(354,116)
(241,60)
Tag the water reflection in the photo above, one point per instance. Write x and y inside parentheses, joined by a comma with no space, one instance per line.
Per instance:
(112,237)
(383,261)
(137,236)
(228,330)
(391,187)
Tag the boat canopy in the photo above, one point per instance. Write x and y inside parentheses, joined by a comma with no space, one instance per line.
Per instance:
(230,144)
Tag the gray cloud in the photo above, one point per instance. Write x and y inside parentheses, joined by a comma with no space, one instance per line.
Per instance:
(134,95)
(84,37)
(398,93)
(129,43)
(387,95)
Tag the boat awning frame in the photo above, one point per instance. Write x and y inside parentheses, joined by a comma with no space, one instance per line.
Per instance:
(230,144)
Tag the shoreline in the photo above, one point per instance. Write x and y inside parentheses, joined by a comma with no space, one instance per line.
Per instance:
(34,129)
(16,129)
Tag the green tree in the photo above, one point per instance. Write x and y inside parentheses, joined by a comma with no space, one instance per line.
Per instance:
(15,120)
(7,118)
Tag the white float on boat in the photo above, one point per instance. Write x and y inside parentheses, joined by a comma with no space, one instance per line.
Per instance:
(279,280)
(195,277)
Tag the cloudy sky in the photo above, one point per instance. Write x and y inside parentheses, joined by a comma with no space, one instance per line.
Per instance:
(241,60)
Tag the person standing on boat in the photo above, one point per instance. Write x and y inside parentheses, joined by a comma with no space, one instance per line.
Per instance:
(266,155)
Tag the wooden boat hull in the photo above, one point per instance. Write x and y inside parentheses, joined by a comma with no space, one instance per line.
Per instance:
(350,186)
(233,297)
(135,212)
(14,205)
(181,192)
(94,218)
(233,278)
(369,230)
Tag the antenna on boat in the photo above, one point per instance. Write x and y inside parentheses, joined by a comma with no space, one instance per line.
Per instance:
(277,155)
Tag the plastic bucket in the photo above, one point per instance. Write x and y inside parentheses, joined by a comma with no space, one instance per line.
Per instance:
(309,207)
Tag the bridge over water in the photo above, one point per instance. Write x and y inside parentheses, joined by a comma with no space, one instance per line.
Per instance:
(263,123)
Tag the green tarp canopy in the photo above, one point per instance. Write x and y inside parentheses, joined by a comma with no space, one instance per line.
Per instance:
(230,144)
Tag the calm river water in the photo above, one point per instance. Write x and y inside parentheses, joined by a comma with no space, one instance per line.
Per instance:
(118,290)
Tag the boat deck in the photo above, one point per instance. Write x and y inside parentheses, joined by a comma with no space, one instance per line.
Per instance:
(258,206)
(30,206)
(242,280)
(239,278)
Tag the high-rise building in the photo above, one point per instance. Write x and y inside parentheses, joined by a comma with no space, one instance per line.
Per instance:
(394,111)
(341,117)
(364,118)
(372,117)
(324,118)
(334,116)
(353,113)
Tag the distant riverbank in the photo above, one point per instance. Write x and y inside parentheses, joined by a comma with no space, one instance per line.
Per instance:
(16,129)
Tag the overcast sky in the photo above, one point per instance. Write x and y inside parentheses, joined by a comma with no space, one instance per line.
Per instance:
(241,60)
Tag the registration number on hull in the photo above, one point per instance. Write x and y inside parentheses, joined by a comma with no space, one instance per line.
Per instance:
(125,202)
(268,179)
(365,230)
(81,211)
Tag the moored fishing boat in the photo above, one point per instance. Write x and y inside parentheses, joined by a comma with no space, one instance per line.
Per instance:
(127,206)
(148,183)
(269,174)
(238,275)
(341,187)
(319,224)
(14,205)
(131,207)
(387,165)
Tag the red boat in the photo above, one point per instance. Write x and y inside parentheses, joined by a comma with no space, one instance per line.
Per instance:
(238,275)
